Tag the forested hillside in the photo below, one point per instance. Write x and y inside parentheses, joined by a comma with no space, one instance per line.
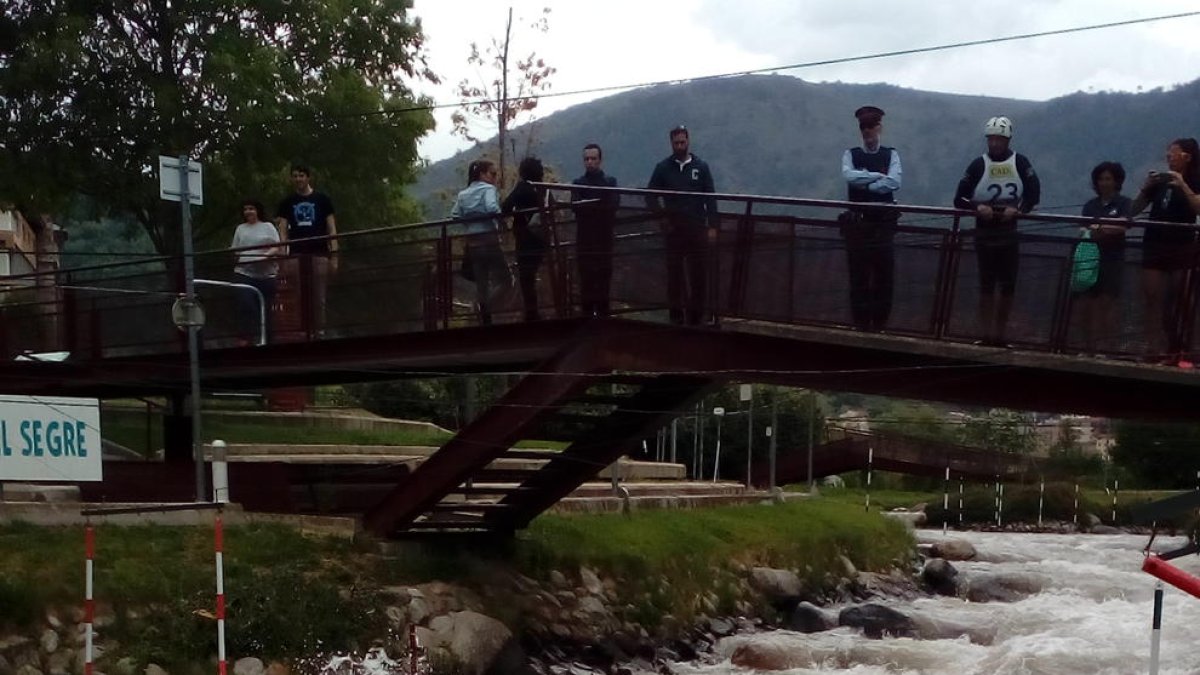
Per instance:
(774,134)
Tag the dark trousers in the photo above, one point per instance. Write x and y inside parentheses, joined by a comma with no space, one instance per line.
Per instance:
(531,249)
(687,272)
(871,259)
(248,308)
(595,268)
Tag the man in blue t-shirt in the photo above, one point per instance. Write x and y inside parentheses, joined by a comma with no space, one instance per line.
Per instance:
(307,223)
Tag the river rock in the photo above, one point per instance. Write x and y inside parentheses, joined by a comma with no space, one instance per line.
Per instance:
(559,579)
(934,628)
(49,641)
(591,582)
(1091,520)
(952,549)
(721,627)
(417,610)
(1105,529)
(28,669)
(59,663)
(876,620)
(472,638)
(940,576)
(154,669)
(808,618)
(779,586)
(248,665)
(848,567)
(986,587)
(763,656)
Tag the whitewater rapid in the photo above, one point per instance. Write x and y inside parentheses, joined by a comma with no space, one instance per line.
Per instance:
(1092,616)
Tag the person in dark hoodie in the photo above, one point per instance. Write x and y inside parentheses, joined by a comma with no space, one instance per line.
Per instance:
(530,239)
(998,186)
(691,223)
(594,219)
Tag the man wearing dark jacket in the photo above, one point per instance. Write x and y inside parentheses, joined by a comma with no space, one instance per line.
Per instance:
(691,223)
(998,186)
(594,232)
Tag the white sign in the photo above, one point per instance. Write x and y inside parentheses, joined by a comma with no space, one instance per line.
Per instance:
(168,181)
(47,438)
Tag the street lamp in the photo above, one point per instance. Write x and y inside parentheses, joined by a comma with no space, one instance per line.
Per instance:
(719,412)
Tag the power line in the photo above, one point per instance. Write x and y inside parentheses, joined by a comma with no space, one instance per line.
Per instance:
(760,71)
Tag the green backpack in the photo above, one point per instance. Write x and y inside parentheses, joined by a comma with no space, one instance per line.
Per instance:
(1085,264)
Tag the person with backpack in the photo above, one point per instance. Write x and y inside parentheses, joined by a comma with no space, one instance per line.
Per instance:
(1097,285)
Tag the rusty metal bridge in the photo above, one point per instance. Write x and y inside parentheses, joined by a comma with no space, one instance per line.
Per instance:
(777,312)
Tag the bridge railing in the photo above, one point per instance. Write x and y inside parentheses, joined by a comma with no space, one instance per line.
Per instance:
(777,260)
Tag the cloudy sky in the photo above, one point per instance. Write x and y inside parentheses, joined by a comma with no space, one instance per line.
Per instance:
(597,43)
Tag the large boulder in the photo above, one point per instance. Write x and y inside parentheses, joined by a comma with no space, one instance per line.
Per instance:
(808,618)
(952,549)
(1105,529)
(875,621)
(986,587)
(940,576)
(778,586)
(473,639)
(249,666)
(763,656)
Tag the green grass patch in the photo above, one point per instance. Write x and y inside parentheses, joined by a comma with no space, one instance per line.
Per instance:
(291,595)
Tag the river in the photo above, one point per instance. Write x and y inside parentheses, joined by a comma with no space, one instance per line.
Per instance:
(1092,616)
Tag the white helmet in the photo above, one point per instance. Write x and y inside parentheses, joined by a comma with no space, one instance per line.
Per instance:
(998,126)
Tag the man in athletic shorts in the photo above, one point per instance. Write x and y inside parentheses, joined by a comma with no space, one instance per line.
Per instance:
(998,186)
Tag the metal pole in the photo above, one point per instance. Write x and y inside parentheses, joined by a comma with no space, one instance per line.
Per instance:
(996,500)
(219,555)
(1041,499)
(870,461)
(189,290)
(717,458)
(89,602)
(1116,489)
(749,442)
(1000,507)
(1156,628)
(960,502)
(700,422)
(220,473)
(774,435)
(946,502)
(674,438)
(812,422)
(1075,508)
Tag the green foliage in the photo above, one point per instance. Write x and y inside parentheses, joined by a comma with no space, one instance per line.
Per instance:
(796,410)
(1002,430)
(693,552)
(20,604)
(98,90)
(1159,455)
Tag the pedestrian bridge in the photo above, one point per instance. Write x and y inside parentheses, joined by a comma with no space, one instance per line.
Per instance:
(778,312)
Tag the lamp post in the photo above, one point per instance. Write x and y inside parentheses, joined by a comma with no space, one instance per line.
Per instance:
(719,413)
(747,396)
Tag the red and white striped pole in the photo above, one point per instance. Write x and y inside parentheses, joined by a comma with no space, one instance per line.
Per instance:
(414,650)
(219,546)
(89,603)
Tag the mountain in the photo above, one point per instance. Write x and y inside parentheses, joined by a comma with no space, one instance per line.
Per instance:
(779,135)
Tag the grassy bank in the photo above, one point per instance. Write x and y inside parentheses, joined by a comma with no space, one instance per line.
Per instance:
(290,595)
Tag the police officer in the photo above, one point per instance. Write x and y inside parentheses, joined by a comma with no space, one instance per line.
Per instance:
(872,173)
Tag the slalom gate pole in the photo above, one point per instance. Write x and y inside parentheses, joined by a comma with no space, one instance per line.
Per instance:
(946,502)
(870,462)
(1041,499)
(89,602)
(1000,507)
(960,502)
(414,650)
(219,551)
(1165,571)
(1116,489)
(1075,508)
(1156,628)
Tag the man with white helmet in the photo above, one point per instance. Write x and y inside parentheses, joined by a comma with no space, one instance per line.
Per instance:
(998,186)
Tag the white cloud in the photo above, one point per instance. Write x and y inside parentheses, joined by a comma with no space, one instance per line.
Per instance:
(630,41)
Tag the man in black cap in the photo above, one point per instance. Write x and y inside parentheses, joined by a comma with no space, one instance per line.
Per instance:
(872,173)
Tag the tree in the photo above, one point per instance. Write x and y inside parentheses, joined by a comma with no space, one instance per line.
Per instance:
(513,90)
(1158,455)
(95,90)
(1003,430)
